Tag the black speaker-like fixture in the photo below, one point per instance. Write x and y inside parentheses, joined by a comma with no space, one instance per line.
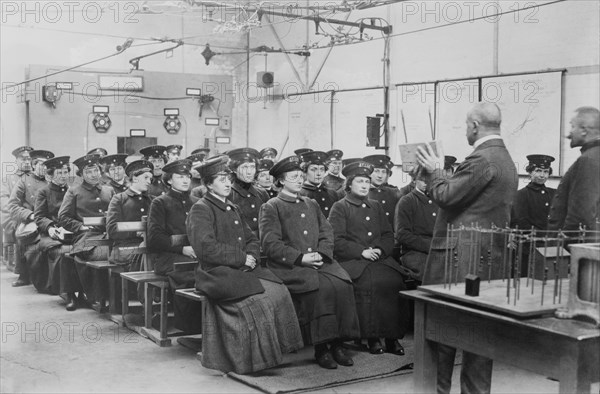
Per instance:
(265,79)
(373,131)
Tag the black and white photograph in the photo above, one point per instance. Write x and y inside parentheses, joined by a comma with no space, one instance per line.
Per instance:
(300,196)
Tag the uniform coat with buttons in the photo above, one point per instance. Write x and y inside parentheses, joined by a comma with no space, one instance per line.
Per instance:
(291,226)
(221,238)
(249,199)
(21,205)
(333,182)
(8,184)
(45,264)
(359,224)
(157,187)
(532,206)
(323,196)
(86,200)
(577,198)
(168,214)
(128,206)
(253,309)
(118,187)
(22,198)
(415,218)
(388,196)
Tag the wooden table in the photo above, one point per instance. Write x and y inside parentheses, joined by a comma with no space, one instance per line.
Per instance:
(567,350)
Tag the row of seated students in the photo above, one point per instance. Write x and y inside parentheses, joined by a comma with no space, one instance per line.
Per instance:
(317,238)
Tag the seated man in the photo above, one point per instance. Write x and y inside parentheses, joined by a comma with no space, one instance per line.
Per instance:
(114,166)
(20,206)
(11,175)
(415,218)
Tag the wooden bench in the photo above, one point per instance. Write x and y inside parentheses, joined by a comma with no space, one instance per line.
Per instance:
(148,278)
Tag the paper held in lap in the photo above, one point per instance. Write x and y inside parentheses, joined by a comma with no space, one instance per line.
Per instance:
(408,153)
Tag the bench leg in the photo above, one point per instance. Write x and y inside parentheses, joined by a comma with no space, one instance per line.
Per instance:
(164,317)
(124,297)
(148,306)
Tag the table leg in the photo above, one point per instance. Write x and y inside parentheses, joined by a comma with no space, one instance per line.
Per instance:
(574,375)
(425,372)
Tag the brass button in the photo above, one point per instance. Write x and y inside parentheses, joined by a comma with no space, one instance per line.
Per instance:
(370,234)
(302,215)
(237,222)
(364,205)
(253,206)
(367,218)
(309,249)
(229,208)
(305,232)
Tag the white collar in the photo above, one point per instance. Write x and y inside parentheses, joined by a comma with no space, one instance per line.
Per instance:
(485,139)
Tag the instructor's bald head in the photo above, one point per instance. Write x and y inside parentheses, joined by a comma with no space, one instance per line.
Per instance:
(482,120)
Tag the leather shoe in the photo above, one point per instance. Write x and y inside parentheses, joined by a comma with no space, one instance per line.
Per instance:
(340,356)
(393,346)
(375,346)
(325,360)
(19,283)
(71,305)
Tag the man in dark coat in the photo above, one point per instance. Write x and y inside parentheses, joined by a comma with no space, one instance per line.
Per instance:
(314,165)
(21,205)
(114,167)
(388,195)
(90,199)
(333,180)
(156,154)
(12,173)
(416,214)
(480,191)
(577,199)
(243,163)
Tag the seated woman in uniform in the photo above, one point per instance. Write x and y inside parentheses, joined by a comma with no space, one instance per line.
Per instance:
(314,164)
(298,243)
(90,199)
(364,241)
(47,203)
(249,198)
(250,306)
(167,240)
(129,206)
(114,167)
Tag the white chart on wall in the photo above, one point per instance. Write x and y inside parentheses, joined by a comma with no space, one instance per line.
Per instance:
(454,100)
(531,114)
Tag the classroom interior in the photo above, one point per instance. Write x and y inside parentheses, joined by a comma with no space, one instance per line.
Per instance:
(283,74)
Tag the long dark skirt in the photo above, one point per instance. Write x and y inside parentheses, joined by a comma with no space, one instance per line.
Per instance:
(328,313)
(69,279)
(94,282)
(44,264)
(252,334)
(382,313)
